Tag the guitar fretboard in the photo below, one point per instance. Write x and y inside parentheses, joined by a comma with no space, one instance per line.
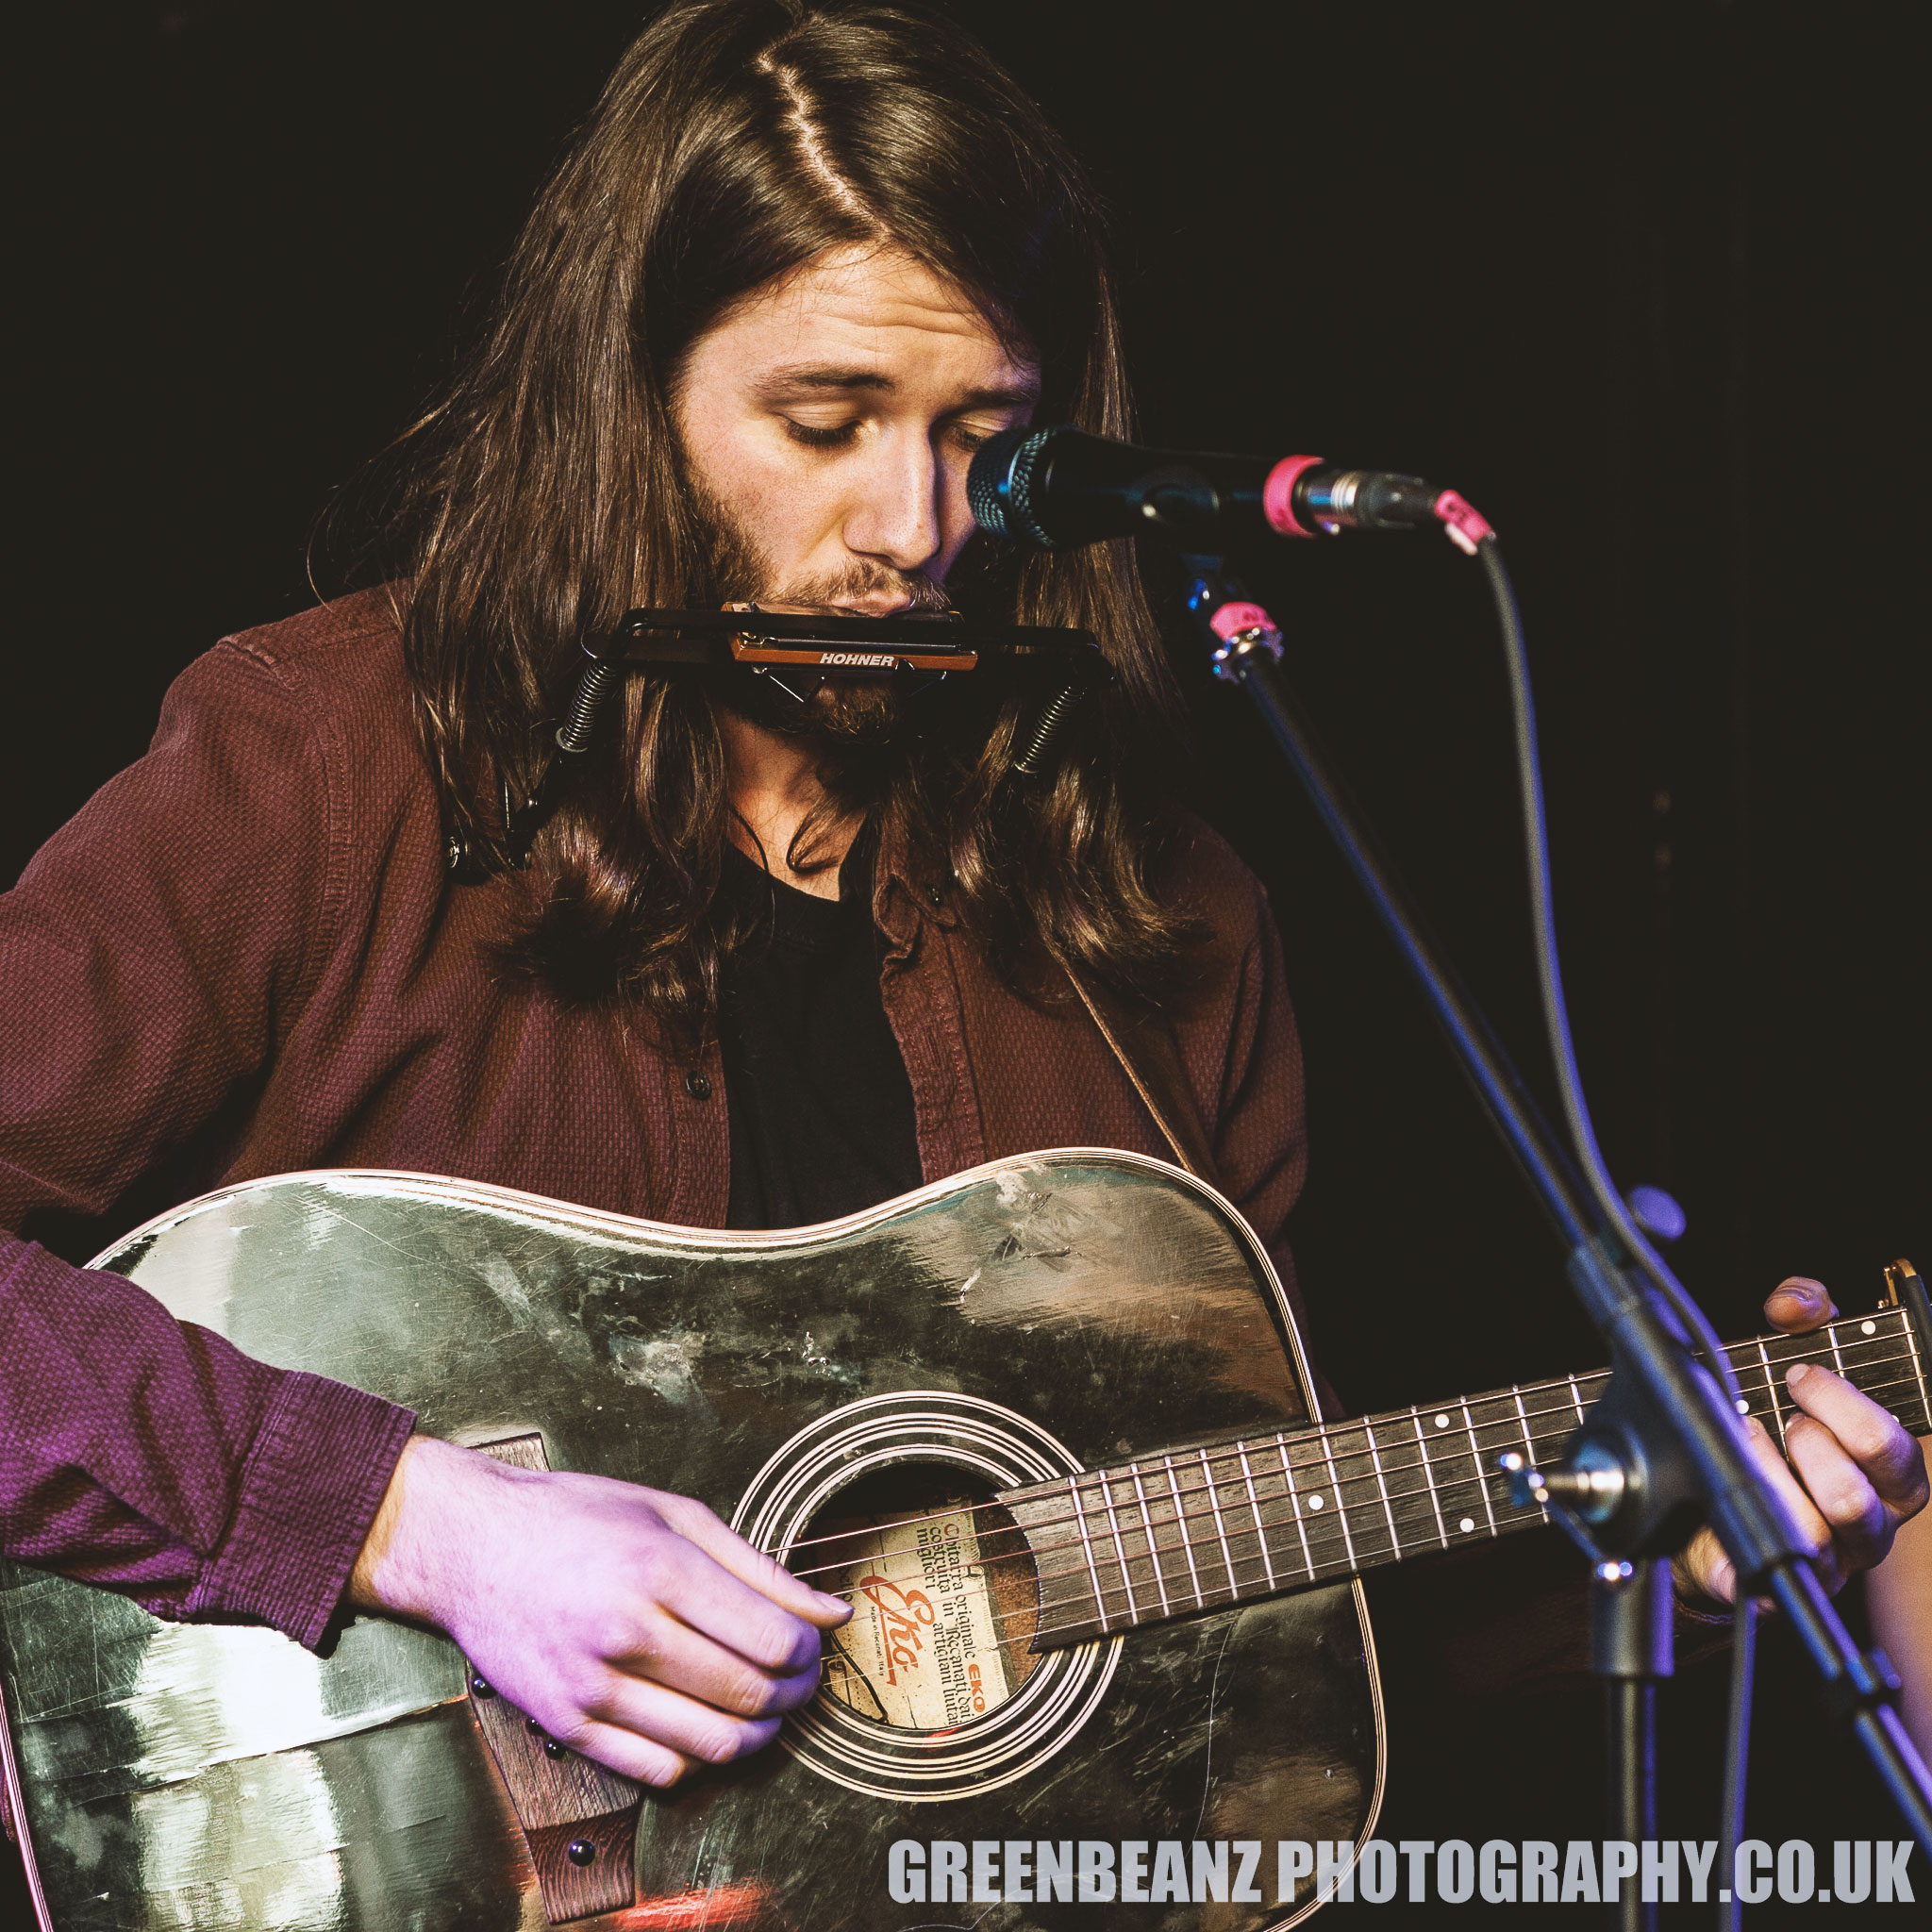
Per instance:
(1203,1528)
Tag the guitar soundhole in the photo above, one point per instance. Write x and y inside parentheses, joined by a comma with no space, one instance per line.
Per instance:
(945,1599)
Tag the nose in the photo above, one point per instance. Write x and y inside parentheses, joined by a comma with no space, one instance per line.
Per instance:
(895,515)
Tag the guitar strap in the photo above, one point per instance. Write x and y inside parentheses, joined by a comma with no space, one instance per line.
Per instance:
(1150,1060)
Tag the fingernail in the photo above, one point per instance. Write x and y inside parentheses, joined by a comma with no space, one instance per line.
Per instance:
(1795,1372)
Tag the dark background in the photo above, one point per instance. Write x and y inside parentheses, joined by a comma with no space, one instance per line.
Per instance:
(1639,282)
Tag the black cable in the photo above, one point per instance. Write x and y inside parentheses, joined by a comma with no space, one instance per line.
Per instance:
(1596,1177)
(1610,1204)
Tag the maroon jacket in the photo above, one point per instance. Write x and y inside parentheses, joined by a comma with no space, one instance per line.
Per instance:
(245,957)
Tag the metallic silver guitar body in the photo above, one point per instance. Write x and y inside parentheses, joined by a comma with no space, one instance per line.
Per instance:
(1012,1324)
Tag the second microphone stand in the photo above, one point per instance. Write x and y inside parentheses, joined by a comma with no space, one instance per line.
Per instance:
(1659,1452)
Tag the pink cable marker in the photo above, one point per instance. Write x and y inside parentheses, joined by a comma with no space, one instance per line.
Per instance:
(1277,494)
(1232,619)
(1466,524)
(1333,499)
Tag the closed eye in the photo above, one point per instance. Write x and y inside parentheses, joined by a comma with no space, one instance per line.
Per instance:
(841,435)
(814,437)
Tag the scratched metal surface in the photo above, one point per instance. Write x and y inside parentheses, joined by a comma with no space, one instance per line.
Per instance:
(198,1776)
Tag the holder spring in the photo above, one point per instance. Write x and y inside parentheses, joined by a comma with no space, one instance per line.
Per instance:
(1047,728)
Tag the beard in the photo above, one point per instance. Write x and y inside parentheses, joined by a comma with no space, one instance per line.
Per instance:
(850,712)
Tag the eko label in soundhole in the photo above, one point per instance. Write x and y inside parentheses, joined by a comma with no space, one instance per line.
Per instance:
(933,1690)
(924,1649)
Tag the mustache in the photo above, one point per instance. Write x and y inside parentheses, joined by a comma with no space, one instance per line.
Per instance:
(864,582)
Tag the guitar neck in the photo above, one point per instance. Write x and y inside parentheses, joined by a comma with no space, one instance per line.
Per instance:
(1203,1528)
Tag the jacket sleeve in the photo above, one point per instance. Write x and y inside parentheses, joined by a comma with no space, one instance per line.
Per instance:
(150,957)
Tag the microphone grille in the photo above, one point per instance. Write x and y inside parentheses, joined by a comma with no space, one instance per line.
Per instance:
(999,485)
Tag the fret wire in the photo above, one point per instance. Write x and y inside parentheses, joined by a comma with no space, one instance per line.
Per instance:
(1087,1544)
(1429,1478)
(1294,1504)
(1770,1391)
(1187,1539)
(1120,1548)
(1889,1323)
(1261,1527)
(1524,1520)
(1522,1422)
(1335,1453)
(1529,1521)
(1153,1548)
(1917,1367)
(1524,1517)
(1220,1527)
(1341,1507)
(1528,1443)
(1838,1360)
(1375,1457)
(1576,1397)
(1324,1551)
(1475,1455)
(1312,1437)
(1754,1382)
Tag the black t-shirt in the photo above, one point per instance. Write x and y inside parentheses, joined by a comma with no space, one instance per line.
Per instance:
(820,1107)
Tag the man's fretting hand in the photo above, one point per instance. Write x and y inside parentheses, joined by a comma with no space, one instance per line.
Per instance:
(631,1625)
(1854,1474)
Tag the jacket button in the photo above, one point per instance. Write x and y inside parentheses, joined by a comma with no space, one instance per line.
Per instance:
(698,1086)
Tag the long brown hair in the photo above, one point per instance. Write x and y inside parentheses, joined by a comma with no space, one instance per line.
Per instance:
(737,139)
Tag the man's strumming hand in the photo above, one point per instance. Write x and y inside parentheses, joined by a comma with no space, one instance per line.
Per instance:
(1854,1475)
(631,1625)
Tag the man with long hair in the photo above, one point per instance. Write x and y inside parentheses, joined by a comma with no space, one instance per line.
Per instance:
(762,963)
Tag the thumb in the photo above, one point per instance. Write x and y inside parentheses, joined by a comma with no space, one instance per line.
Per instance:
(1798,1305)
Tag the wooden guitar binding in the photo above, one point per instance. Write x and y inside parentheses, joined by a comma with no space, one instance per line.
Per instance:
(579,1821)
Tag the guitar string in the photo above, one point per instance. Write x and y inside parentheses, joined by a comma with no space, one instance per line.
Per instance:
(1323,1553)
(1154,1554)
(1094,1482)
(1371,1501)
(1324,1550)
(1580,1383)
(1331,1551)
(1333,1547)
(1147,1558)
(1096,1489)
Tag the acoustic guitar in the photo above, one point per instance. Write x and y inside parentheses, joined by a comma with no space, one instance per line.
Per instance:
(1048,1424)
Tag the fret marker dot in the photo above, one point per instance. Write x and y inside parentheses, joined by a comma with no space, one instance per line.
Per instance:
(1442,1422)
(1467,1525)
(1314,1502)
(1868,1328)
(1744,1406)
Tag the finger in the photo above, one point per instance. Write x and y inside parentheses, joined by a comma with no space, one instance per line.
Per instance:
(1814,1532)
(1702,1569)
(1798,1305)
(684,1660)
(652,1715)
(1861,1524)
(1873,1437)
(693,1589)
(631,1755)
(764,1573)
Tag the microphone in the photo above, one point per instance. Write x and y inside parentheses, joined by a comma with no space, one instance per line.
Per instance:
(1057,488)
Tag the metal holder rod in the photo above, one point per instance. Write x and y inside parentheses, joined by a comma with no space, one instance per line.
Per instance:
(1631,1651)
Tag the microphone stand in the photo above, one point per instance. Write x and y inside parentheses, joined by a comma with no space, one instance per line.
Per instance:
(1661,1450)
